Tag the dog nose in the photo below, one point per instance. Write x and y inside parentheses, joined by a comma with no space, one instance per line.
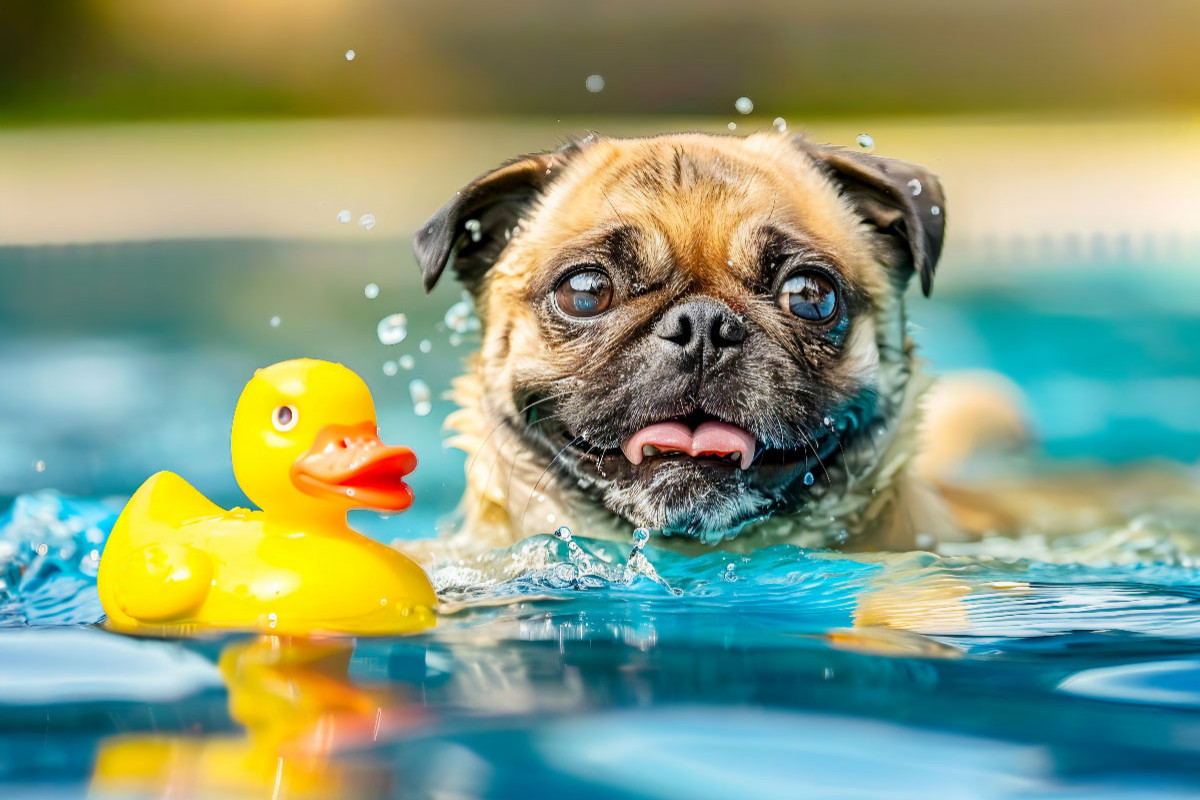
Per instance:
(700,325)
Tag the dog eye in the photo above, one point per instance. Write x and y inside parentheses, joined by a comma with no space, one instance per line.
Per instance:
(809,295)
(584,294)
(285,418)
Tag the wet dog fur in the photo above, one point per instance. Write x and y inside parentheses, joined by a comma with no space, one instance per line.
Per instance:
(715,226)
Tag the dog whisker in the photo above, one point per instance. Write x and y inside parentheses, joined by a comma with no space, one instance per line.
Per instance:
(482,444)
(538,483)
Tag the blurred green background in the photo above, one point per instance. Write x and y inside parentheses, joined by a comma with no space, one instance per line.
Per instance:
(173,177)
(148,59)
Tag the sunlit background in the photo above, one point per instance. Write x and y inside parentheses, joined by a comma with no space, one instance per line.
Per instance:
(191,190)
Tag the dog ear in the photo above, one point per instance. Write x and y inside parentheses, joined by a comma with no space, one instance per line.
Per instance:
(903,201)
(473,228)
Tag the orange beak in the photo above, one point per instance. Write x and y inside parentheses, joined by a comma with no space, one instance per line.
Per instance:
(350,462)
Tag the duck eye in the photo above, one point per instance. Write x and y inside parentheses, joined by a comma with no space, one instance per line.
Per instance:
(809,295)
(584,294)
(285,418)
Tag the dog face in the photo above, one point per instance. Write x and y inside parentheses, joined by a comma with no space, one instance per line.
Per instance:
(689,328)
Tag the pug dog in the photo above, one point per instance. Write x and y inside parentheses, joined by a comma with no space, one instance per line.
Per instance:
(702,336)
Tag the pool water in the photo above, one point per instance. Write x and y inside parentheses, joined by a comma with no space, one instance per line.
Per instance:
(1010,668)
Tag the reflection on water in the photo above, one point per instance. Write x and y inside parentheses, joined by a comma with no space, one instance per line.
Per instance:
(299,708)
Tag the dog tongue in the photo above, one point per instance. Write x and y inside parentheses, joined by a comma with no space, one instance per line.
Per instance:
(711,438)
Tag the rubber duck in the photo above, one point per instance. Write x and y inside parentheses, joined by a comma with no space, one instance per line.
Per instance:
(305,450)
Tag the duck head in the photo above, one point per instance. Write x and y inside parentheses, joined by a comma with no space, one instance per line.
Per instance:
(305,444)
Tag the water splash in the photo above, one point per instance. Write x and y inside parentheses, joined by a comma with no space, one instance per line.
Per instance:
(49,551)
(1139,578)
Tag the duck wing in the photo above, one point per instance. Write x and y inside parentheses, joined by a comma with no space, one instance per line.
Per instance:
(147,573)
(167,499)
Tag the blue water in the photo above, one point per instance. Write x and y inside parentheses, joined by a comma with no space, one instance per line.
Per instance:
(1016,668)
(554,670)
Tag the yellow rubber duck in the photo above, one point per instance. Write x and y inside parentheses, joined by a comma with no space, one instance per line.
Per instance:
(305,450)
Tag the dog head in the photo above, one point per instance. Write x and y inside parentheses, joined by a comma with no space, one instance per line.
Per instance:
(690,327)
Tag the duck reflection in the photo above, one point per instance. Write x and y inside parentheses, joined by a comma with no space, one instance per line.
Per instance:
(304,722)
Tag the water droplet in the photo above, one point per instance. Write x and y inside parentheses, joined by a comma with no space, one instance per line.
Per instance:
(42,549)
(461,318)
(407,362)
(389,368)
(425,346)
(780,124)
(744,105)
(730,573)
(866,141)
(371,291)
(344,215)
(935,211)
(915,185)
(594,83)
(563,534)
(827,422)
(272,620)
(809,479)
(275,322)
(419,391)
(640,537)
(392,329)
(367,221)
(39,466)
(733,126)
(90,564)
(349,55)
(541,498)
(475,228)
(550,518)
(456,339)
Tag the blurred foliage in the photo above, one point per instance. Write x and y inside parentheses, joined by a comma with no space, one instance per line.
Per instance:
(132,59)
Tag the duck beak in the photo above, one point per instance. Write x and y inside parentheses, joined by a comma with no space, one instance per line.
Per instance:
(350,462)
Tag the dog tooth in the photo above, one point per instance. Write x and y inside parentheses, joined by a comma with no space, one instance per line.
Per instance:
(649,450)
